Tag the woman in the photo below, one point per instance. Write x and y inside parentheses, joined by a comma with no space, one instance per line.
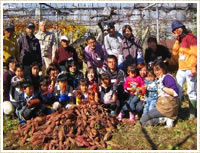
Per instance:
(167,104)
(130,48)
(186,47)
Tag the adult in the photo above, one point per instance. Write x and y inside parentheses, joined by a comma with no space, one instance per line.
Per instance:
(47,44)
(116,75)
(7,76)
(10,47)
(95,54)
(167,104)
(130,48)
(155,51)
(112,40)
(186,47)
(64,53)
(29,48)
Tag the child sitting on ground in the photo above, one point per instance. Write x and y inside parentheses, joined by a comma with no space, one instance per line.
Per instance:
(62,93)
(151,91)
(82,93)
(73,74)
(107,95)
(29,104)
(46,95)
(134,86)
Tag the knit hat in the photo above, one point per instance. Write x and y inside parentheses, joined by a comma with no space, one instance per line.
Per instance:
(177,24)
(9,26)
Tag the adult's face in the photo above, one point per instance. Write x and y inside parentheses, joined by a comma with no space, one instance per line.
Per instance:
(35,70)
(42,27)
(8,33)
(112,64)
(152,45)
(178,31)
(64,43)
(30,31)
(112,31)
(158,71)
(127,33)
(92,44)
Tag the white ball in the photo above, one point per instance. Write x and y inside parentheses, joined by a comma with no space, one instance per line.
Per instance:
(56,105)
(8,108)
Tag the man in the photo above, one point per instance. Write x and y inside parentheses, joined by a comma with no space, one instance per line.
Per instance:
(10,47)
(117,76)
(47,44)
(29,48)
(65,53)
(112,40)
(155,51)
(95,54)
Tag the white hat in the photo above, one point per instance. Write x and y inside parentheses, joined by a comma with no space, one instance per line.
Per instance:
(64,38)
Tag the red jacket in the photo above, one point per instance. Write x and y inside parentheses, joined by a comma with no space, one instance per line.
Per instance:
(63,54)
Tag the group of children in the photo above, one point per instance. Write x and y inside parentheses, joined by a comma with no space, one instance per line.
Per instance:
(41,95)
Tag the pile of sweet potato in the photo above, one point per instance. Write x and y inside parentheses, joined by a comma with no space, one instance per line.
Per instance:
(83,126)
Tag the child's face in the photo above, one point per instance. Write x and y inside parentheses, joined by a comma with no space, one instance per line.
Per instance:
(72,68)
(150,77)
(44,87)
(62,85)
(19,72)
(105,83)
(35,70)
(29,91)
(132,74)
(83,88)
(143,72)
(90,75)
(53,74)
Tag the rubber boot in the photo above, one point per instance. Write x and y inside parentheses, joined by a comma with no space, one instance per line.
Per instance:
(192,109)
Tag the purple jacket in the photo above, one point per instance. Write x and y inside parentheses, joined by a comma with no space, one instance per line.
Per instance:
(170,82)
(96,58)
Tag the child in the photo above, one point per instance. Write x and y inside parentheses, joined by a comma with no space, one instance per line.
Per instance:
(152,93)
(52,71)
(73,74)
(45,95)
(133,85)
(62,93)
(92,78)
(82,96)
(29,104)
(107,95)
(34,76)
(16,85)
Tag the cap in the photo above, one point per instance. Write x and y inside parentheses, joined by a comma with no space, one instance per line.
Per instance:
(108,26)
(30,25)
(9,26)
(64,38)
(177,24)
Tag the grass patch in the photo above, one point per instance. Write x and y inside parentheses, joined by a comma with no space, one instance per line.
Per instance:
(183,136)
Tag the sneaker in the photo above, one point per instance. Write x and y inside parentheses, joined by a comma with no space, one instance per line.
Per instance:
(119,117)
(162,120)
(169,123)
(131,117)
(22,122)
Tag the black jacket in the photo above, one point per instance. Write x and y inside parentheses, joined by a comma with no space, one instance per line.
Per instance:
(29,49)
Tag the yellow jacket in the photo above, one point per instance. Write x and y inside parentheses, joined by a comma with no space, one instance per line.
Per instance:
(187,51)
(10,48)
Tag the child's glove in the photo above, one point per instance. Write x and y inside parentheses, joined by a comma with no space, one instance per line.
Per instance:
(63,97)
